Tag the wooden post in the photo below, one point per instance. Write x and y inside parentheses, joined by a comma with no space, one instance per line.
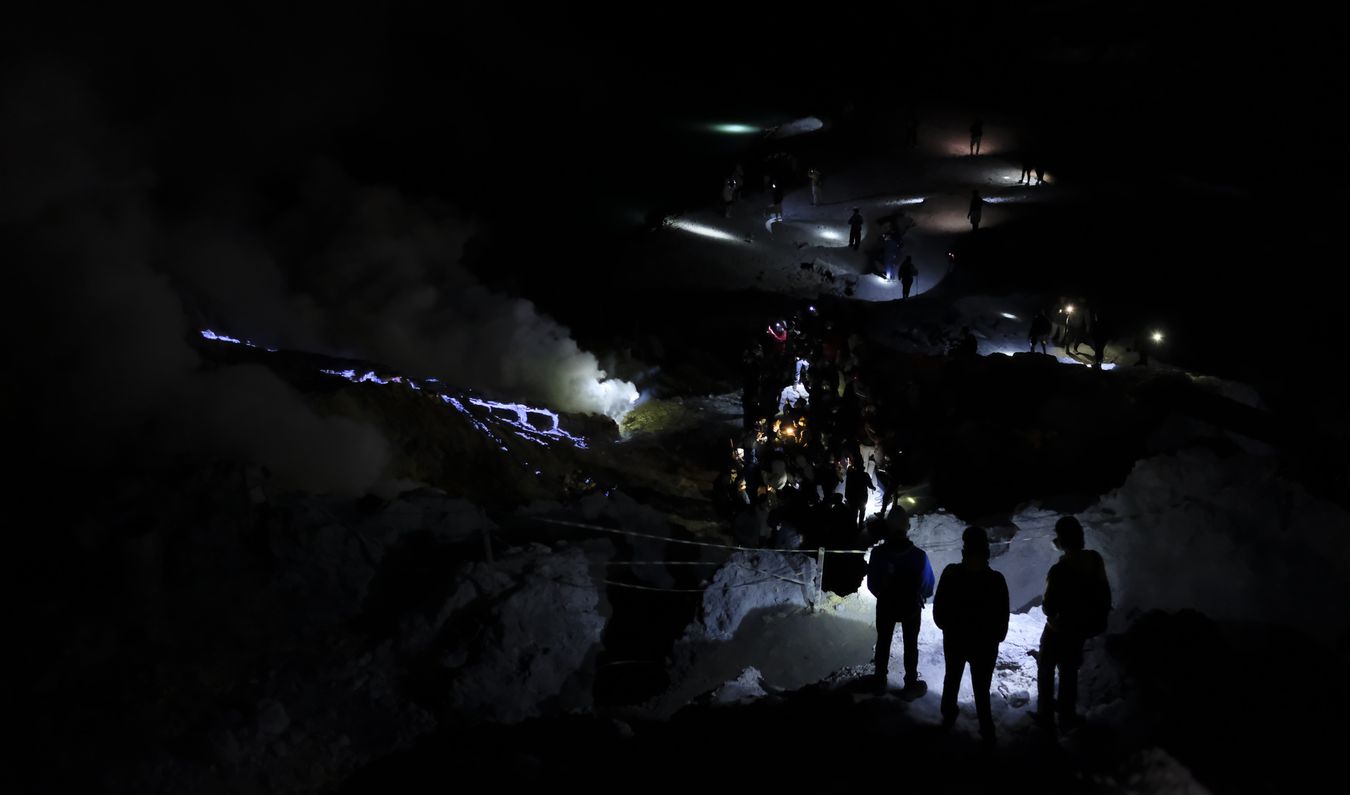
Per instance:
(820,574)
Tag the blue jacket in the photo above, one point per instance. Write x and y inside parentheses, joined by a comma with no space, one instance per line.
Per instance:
(900,576)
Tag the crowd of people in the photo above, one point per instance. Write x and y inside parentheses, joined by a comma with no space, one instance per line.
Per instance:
(813,451)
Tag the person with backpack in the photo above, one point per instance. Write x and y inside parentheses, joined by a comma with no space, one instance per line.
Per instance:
(901,578)
(971,609)
(1077,603)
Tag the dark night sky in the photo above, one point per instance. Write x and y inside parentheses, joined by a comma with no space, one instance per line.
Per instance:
(528,119)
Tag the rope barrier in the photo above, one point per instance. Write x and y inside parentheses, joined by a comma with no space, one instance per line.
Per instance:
(617,531)
(664,562)
(655,537)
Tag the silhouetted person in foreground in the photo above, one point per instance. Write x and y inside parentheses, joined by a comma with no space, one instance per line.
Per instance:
(1026,169)
(1040,330)
(976,133)
(971,609)
(908,271)
(855,225)
(976,210)
(901,578)
(1040,174)
(1076,604)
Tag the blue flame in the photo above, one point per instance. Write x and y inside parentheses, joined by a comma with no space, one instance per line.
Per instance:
(518,418)
(526,429)
(477,423)
(211,335)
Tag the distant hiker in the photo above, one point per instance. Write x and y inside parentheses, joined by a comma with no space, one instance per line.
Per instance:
(776,209)
(886,479)
(1076,604)
(816,178)
(855,225)
(738,175)
(1100,337)
(1142,341)
(1026,169)
(728,196)
(908,272)
(778,335)
(1076,326)
(890,253)
(1040,330)
(751,526)
(966,346)
(976,210)
(911,128)
(976,133)
(971,609)
(901,578)
(858,487)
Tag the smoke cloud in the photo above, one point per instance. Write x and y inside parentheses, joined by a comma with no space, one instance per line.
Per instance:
(101,335)
(115,282)
(383,280)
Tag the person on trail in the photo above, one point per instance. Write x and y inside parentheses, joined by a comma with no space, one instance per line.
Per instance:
(1100,337)
(1076,604)
(858,487)
(855,225)
(971,608)
(1040,330)
(1026,169)
(976,133)
(908,272)
(890,254)
(966,346)
(886,478)
(1040,174)
(976,210)
(1076,326)
(901,578)
(728,197)
(816,179)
